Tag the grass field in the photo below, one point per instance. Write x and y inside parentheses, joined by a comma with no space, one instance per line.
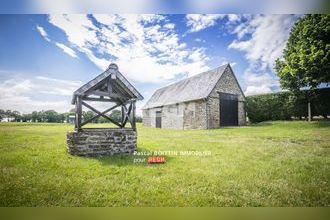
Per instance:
(270,164)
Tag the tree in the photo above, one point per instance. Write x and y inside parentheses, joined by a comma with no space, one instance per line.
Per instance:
(51,116)
(16,115)
(306,62)
(88,115)
(2,114)
(115,115)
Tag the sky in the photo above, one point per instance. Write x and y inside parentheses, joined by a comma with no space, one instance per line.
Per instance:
(45,58)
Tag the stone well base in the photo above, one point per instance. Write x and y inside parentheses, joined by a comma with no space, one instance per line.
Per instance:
(101,141)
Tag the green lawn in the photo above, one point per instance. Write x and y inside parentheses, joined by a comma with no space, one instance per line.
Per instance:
(270,164)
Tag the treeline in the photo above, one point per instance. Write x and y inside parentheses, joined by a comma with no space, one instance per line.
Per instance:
(52,116)
(286,105)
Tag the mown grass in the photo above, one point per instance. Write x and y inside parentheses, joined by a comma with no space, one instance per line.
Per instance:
(270,164)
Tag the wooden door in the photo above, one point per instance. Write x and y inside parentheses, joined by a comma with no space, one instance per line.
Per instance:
(228,109)
(158,119)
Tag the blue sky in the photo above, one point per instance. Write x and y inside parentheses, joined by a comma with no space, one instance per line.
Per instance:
(44,58)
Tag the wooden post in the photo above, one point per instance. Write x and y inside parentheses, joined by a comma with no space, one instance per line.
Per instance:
(309,111)
(78,113)
(133,116)
(123,116)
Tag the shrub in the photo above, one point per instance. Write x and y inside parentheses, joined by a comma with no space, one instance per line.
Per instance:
(285,105)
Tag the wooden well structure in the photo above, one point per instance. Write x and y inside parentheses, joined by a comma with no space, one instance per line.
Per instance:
(114,89)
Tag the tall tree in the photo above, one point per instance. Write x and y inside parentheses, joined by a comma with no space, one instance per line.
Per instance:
(306,62)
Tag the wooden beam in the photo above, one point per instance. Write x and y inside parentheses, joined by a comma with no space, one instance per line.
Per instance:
(78,113)
(109,86)
(110,94)
(96,116)
(101,114)
(99,93)
(133,116)
(127,114)
(98,99)
(123,116)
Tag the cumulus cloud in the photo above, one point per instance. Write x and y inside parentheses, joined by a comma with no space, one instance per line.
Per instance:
(18,94)
(259,83)
(146,47)
(67,50)
(269,34)
(198,22)
(43,33)
(262,39)
(63,47)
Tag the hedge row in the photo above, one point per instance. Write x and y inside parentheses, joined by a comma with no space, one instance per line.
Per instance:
(285,105)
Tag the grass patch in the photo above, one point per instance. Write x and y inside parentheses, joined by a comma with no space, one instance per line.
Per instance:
(271,164)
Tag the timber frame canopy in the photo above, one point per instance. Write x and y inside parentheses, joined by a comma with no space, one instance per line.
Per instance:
(112,87)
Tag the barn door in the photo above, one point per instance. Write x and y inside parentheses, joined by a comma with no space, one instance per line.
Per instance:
(228,109)
(158,119)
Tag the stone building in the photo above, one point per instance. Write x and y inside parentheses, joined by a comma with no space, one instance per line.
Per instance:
(208,100)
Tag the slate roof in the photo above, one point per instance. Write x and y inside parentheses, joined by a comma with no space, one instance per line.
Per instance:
(120,81)
(193,88)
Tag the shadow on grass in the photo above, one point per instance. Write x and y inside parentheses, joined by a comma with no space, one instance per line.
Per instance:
(264,123)
(321,124)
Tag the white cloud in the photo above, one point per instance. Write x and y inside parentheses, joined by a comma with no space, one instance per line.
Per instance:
(262,39)
(43,33)
(269,34)
(258,83)
(169,25)
(64,48)
(20,94)
(198,22)
(234,17)
(146,47)
(67,50)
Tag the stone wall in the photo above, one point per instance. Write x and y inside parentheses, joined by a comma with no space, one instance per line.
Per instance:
(172,116)
(195,115)
(187,115)
(101,141)
(146,117)
(226,84)
(199,114)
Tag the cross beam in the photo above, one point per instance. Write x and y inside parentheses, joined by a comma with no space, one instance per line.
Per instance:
(103,114)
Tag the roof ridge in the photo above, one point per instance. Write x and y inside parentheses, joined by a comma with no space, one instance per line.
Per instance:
(191,88)
(198,74)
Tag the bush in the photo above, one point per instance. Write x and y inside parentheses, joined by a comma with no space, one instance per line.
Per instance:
(285,105)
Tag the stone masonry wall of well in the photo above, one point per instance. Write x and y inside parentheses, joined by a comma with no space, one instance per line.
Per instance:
(103,141)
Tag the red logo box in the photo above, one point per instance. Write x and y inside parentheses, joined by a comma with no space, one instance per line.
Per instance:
(158,159)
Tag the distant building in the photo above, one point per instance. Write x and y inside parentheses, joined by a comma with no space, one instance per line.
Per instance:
(211,99)
(71,119)
(7,119)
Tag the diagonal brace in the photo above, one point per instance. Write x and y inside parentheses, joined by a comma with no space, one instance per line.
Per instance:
(103,114)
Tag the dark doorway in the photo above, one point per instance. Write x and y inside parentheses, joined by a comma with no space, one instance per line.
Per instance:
(228,109)
(158,119)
